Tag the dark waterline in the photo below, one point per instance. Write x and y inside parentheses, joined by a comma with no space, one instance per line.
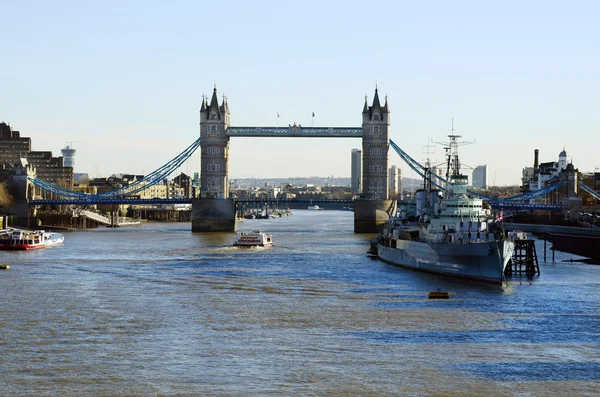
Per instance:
(157,310)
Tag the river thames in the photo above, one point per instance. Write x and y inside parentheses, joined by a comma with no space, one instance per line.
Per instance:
(155,310)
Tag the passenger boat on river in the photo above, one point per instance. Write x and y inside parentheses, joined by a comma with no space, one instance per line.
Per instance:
(18,239)
(255,238)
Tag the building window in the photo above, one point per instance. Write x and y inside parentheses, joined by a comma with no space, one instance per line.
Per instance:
(375,131)
(375,151)
(213,131)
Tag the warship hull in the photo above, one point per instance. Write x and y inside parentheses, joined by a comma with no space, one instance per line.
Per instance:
(483,261)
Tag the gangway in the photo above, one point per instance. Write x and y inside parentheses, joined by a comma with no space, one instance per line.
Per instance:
(105,220)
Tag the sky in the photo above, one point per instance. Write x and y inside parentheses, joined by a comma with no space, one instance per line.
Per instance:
(122,81)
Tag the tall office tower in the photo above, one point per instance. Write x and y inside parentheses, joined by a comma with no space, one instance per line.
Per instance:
(480,177)
(68,156)
(395,178)
(356,171)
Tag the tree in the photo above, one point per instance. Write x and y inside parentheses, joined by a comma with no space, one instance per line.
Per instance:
(6,200)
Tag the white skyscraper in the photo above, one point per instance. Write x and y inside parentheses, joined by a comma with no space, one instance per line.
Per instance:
(356,171)
(68,156)
(480,177)
(395,180)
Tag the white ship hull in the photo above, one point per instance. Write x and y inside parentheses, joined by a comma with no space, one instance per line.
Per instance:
(484,261)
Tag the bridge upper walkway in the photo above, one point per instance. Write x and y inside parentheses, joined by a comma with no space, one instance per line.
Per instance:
(294,131)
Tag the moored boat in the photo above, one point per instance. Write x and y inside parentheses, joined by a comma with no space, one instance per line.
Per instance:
(314,207)
(18,239)
(455,234)
(255,238)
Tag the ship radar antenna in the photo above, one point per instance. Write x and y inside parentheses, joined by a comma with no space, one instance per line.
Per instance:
(451,148)
(427,181)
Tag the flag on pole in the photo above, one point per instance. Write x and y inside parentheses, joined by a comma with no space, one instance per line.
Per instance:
(277,114)
(313,114)
(499,219)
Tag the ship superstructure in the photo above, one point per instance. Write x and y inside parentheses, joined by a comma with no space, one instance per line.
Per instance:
(454,233)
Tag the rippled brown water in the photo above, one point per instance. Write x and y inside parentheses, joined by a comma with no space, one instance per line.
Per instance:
(157,310)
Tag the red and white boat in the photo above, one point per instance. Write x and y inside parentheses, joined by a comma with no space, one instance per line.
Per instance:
(17,239)
(255,238)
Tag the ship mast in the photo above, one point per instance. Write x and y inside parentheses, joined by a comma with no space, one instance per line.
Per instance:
(452,161)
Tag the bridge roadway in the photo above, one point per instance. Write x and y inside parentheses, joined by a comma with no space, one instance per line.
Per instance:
(95,201)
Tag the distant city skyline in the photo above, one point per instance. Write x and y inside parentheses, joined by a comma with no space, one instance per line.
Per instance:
(124,82)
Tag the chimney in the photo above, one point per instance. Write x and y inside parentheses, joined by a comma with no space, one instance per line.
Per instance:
(536,152)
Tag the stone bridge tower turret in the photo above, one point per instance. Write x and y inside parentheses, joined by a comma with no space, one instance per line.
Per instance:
(214,148)
(375,146)
(374,207)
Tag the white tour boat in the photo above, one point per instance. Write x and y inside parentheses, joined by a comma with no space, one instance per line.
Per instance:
(256,238)
(18,239)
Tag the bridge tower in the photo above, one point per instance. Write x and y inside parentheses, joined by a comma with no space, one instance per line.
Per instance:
(214,211)
(374,207)
(375,145)
(214,148)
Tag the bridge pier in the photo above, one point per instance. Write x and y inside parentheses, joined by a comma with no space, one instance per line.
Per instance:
(371,215)
(213,215)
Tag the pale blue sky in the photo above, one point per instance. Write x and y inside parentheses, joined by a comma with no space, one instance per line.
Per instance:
(123,80)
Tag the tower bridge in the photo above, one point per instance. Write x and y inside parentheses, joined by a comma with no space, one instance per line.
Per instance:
(215,211)
(212,212)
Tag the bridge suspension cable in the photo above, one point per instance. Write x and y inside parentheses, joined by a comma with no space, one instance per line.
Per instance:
(417,167)
(589,190)
(156,176)
(420,170)
(148,181)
